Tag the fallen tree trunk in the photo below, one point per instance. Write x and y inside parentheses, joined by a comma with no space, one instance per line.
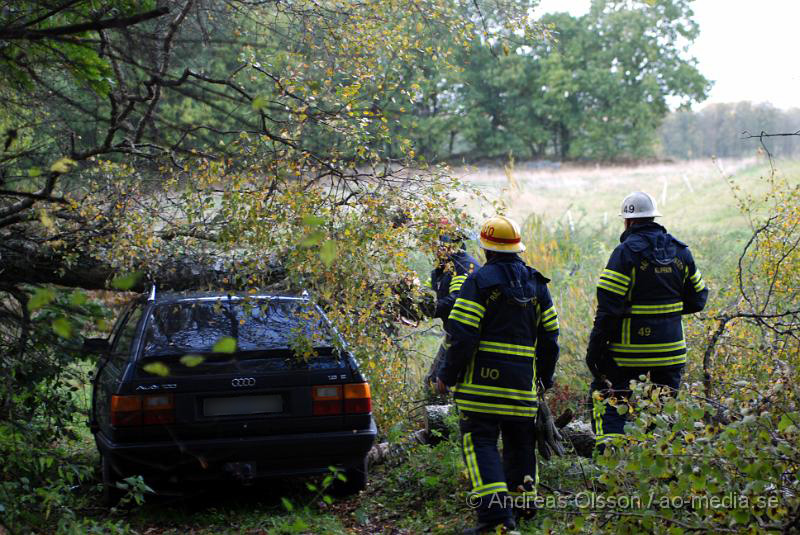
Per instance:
(25,262)
(386,451)
(576,433)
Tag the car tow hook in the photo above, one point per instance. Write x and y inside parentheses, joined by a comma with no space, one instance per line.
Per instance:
(243,472)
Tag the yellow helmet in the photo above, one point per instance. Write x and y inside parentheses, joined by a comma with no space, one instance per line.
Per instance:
(502,235)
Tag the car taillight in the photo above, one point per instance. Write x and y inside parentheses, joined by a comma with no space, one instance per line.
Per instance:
(142,410)
(158,409)
(327,399)
(126,410)
(357,398)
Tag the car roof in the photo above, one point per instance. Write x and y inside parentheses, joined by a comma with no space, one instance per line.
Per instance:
(195,297)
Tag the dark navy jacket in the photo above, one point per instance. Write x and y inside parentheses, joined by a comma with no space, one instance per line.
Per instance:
(503,335)
(649,282)
(446,281)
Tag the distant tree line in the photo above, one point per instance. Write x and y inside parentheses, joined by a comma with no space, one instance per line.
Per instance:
(723,130)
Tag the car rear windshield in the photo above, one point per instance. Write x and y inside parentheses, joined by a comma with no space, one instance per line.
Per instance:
(252,335)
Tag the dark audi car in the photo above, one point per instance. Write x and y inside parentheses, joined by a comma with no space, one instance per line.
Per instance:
(215,387)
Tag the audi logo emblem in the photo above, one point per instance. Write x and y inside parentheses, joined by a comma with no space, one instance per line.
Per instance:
(243,381)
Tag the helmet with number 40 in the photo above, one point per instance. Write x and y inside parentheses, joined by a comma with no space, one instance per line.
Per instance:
(502,235)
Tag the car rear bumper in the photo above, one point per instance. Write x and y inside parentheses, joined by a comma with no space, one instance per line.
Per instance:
(239,458)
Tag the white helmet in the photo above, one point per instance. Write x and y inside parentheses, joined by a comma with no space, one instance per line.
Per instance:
(639,204)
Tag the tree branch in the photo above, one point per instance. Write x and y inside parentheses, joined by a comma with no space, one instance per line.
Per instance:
(9,34)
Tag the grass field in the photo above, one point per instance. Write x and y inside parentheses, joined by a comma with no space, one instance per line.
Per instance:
(692,195)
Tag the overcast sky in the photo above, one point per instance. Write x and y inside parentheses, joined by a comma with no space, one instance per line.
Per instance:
(747,47)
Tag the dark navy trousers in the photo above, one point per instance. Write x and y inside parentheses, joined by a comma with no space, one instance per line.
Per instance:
(607,422)
(499,483)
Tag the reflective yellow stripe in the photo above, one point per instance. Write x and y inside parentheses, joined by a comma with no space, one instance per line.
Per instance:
(471,369)
(648,348)
(626,331)
(598,408)
(697,280)
(602,439)
(551,326)
(472,461)
(465,319)
(495,408)
(465,315)
(489,488)
(470,306)
(633,283)
(457,282)
(667,308)
(495,391)
(617,276)
(491,388)
(700,286)
(550,319)
(613,288)
(649,361)
(510,349)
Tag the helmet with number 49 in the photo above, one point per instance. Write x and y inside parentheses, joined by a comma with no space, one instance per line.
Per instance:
(639,204)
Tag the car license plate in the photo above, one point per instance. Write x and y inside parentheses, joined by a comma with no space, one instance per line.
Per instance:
(242,405)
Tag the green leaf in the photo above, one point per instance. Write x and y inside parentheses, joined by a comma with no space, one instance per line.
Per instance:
(62,165)
(785,423)
(190,361)
(127,281)
(46,220)
(741,516)
(327,499)
(313,221)
(430,481)
(258,103)
(77,298)
(311,239)
(327,253)
(622,408)
(226,344)
(157,368)
(62,327)
(33,172)
(42,297)
(696,413)
(287,504)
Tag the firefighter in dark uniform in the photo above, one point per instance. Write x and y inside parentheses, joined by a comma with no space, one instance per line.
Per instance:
(503,337)
(454,265)
(650,281)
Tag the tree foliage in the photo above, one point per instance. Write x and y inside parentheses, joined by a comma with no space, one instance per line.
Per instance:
(598,90)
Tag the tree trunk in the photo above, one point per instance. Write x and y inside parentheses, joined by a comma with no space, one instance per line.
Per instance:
(22,262)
